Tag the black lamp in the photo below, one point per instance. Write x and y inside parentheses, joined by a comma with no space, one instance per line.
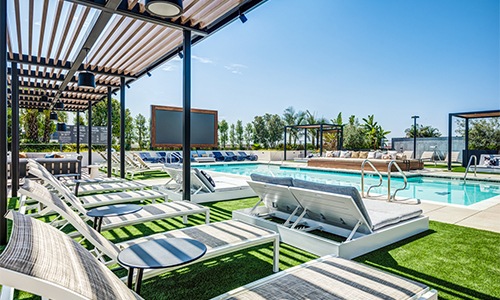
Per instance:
(86,79)
(61,126)
(243,18)
(40,110)
(44,98)
(53,116)
(59,105)
(164,8)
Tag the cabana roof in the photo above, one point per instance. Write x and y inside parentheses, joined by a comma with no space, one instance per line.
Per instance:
(477,114)
(53,40)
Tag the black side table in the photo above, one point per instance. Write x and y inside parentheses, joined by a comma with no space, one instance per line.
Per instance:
(99,213)
(157,254)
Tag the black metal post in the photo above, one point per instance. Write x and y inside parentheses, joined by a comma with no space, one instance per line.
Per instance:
(414,136)
(14,157)
(466,159)
(110,136)
(305,142)
(450,119)
(122,127)
(3,122)
(284,144)
(89,134)
(321,140)
(78,131)
(186,118)
(341,144)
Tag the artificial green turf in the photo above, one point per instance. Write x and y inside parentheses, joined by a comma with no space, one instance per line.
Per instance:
(459,262)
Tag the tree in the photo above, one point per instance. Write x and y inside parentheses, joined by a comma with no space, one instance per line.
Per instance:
(274,126)
(375,133)
(232,135)
(129,130)
(484,134)
(239,133)
(354,137)
(290,119)
(422,131)
(310,118)
(100,116)
(47,126)
(260,132)
(223,127)
(30,121)
(248,135)
(142,131)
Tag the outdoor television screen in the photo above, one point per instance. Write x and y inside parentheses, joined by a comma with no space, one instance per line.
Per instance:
(166,127)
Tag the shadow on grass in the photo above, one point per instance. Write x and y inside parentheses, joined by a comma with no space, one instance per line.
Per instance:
(384,259)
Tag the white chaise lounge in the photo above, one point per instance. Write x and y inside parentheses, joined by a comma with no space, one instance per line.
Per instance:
(220,238)
(364,225)
(332,278)
(150,212)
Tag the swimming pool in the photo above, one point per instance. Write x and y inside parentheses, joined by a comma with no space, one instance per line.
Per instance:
(442,190)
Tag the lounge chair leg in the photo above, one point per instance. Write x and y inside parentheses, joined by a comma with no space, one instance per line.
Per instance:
(185,220)
(7,293)
(276,256)
(207,217)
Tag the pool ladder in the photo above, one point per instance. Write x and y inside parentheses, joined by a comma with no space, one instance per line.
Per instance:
(391,163)
(468,166)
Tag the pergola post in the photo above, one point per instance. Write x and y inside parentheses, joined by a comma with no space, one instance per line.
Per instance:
(122,127)
(186,118)
(109,137)
(466,141)
(305,142)
(89,134)
(341,144)
(284,144)
(321,140)
(450,120)
(78,131)
(14,157)
(3,122)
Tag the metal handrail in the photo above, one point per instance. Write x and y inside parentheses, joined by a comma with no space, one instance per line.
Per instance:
(468,166)
(363,178)
(393,197)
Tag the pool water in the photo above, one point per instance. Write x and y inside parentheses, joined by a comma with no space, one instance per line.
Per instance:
(442,190)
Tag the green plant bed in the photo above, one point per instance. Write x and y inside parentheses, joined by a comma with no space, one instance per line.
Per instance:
(459,262)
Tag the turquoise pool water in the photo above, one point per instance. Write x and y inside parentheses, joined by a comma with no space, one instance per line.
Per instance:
(421,187)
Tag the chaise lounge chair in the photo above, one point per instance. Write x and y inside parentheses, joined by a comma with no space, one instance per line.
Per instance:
(221,157)
(234,156)
(42,261)
(220,238)
(366,225)
(331,277)
(146,156)
(251,157)
(148,213)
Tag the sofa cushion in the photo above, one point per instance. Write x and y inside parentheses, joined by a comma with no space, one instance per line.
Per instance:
(383,213)
(336,189)
(363,154)
(287,181)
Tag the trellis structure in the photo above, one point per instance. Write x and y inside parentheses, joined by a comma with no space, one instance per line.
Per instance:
(47,43)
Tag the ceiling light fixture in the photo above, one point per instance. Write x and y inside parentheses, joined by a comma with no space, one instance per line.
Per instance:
(61,126)
(44,98)
(181,56)
(53,116)
(59,105)
(164,8)
(149,74)
(86,79)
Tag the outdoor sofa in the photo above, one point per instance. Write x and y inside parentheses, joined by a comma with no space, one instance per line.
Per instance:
(57,164)
(352,160)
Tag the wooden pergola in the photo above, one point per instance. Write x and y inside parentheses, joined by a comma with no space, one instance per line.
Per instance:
(47,43)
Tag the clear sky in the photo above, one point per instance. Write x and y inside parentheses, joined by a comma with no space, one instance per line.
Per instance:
(390,58)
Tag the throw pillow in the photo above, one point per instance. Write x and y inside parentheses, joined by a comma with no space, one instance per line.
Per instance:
(329,153)
(371,155)
(23,155)
(378,155)
(355,154)
(58,155)
(363,154)
(336,153)
(49,155)
(386,156)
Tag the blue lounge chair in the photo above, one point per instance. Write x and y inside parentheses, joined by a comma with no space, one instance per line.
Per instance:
(251,157)
(147,157)
(221,157)
(234,156)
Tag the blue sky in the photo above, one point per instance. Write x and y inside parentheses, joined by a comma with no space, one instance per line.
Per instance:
(390,58)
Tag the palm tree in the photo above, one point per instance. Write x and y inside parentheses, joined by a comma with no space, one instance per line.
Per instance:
(310,118)
(290,119)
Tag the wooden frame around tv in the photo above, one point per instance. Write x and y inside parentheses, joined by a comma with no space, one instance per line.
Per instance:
(154,108)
